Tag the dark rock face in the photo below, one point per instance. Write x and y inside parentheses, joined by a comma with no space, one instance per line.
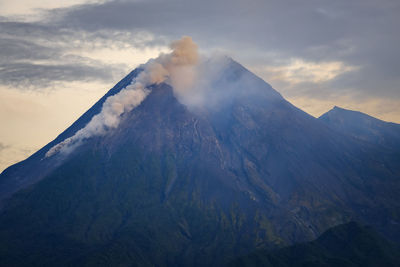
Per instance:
(173,185)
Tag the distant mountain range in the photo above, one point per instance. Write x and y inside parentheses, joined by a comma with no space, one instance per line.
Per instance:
(177,186)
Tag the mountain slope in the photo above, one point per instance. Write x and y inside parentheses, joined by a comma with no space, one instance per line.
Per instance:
(350,244)
(31,170)
(177,185)
(363,127)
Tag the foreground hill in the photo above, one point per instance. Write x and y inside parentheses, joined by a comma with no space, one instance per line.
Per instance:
(345,245)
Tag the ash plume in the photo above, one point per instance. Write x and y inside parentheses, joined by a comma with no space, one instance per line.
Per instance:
(176,68)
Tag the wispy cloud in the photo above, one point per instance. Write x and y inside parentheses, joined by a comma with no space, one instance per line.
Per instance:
(299,71)
(2,146)
(42,54)
(10,154)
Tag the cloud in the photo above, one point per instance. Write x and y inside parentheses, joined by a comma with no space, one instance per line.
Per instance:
(37,55)
(10,154)
(3,146)
(47,75)
(361,34)
(29,7)
(299,71)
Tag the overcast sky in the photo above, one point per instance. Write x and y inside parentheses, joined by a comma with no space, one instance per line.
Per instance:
(58,57)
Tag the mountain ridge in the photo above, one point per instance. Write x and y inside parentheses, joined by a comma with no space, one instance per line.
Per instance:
(363,127)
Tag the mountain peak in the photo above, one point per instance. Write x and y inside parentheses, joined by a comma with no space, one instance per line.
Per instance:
(337,108)
(363,126)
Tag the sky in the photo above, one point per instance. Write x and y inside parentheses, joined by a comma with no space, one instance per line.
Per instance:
(57,58)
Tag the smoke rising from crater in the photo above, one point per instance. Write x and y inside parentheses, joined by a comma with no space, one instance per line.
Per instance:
(176,68)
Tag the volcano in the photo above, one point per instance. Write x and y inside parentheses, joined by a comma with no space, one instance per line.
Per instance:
(183,184)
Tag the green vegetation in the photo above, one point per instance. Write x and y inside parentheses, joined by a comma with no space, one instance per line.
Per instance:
(117,214)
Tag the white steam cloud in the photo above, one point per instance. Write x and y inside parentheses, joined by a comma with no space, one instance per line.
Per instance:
(177,68)
(199,83)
